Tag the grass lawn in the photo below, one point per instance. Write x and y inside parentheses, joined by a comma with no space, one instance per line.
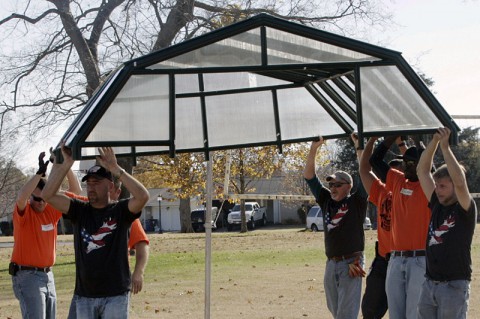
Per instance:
(269,273)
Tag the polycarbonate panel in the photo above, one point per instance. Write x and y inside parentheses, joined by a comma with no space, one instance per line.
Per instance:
(287,48)
(93,151)
(240,118)
(139,112)
(240,50)
(186,83)
(342,94)
(92,105)
(240,80)
(302,116)
(337,108)
(389,102)
(188,123)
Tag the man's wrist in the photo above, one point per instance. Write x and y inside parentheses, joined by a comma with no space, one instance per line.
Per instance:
(119,173)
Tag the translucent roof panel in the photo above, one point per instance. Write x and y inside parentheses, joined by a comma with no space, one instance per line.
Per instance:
(337,107)
(261,81)
(139,112)
(189,83)
(239,50)
(91,152)
(287,48)
(245,49)
(240,80)
(188,123)
(389,102)
(240,118)
(301,115)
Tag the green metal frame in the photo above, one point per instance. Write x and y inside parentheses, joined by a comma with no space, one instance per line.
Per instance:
(313,77)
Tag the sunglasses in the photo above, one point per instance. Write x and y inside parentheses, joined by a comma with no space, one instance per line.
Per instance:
(336,184)
(37,199)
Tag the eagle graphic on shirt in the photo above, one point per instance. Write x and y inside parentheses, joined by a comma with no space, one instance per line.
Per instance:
(95,241)
(333,222)
(436,235)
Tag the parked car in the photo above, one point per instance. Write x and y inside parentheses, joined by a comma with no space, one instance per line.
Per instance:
(315,220)
(198,219)
(254,215)
(367,224)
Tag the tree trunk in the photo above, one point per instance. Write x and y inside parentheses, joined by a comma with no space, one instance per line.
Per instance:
(243,228)
(185,216)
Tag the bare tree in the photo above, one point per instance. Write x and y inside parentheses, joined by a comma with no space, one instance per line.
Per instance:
(71,45)
(11,180)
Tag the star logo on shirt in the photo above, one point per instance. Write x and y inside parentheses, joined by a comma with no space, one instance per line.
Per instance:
(437,234)
(95,241)
(333,222)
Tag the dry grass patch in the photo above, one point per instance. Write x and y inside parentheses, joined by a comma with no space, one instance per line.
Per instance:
(268,273)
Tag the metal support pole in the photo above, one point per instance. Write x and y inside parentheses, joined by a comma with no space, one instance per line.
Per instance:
(208,236)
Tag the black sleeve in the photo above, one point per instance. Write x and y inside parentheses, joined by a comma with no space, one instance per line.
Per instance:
(379,166)
(360,188)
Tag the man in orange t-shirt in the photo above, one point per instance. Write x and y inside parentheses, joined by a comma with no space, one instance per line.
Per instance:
(35,236)
(410,219)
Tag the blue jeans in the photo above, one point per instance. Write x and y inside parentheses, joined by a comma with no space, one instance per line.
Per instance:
(35,290)
(442,300)
(115,307)
(72,312)
(342,291)
(405,276)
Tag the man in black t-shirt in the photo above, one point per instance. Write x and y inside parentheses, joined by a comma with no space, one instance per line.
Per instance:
(343,216)
(101,231)
(446,290)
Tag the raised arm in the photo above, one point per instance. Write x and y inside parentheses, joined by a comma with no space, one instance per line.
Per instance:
(377,159)
(50,192)
(26,191)
(74,185)
(424,167)
(309,171)
(402,145)
(365,169)
(457,174)
(29,187)
(139,193)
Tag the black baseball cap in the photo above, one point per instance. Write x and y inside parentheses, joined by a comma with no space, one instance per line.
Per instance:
(99,172)
(411,154)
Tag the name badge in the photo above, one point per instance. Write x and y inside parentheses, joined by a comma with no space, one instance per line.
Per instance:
(406,191)
(48,227)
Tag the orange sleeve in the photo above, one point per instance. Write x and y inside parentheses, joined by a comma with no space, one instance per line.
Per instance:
(73,195)
(137,234)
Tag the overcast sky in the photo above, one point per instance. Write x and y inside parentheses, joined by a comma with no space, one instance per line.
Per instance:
(442,38)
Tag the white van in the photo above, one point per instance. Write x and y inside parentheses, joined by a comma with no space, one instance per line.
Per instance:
(315,220)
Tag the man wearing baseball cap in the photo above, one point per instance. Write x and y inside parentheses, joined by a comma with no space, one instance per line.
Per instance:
(343,217)
(103,279)
(98,172)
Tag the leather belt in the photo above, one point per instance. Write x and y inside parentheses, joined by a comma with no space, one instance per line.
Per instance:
(344,257)
(408,253)
(41,269)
